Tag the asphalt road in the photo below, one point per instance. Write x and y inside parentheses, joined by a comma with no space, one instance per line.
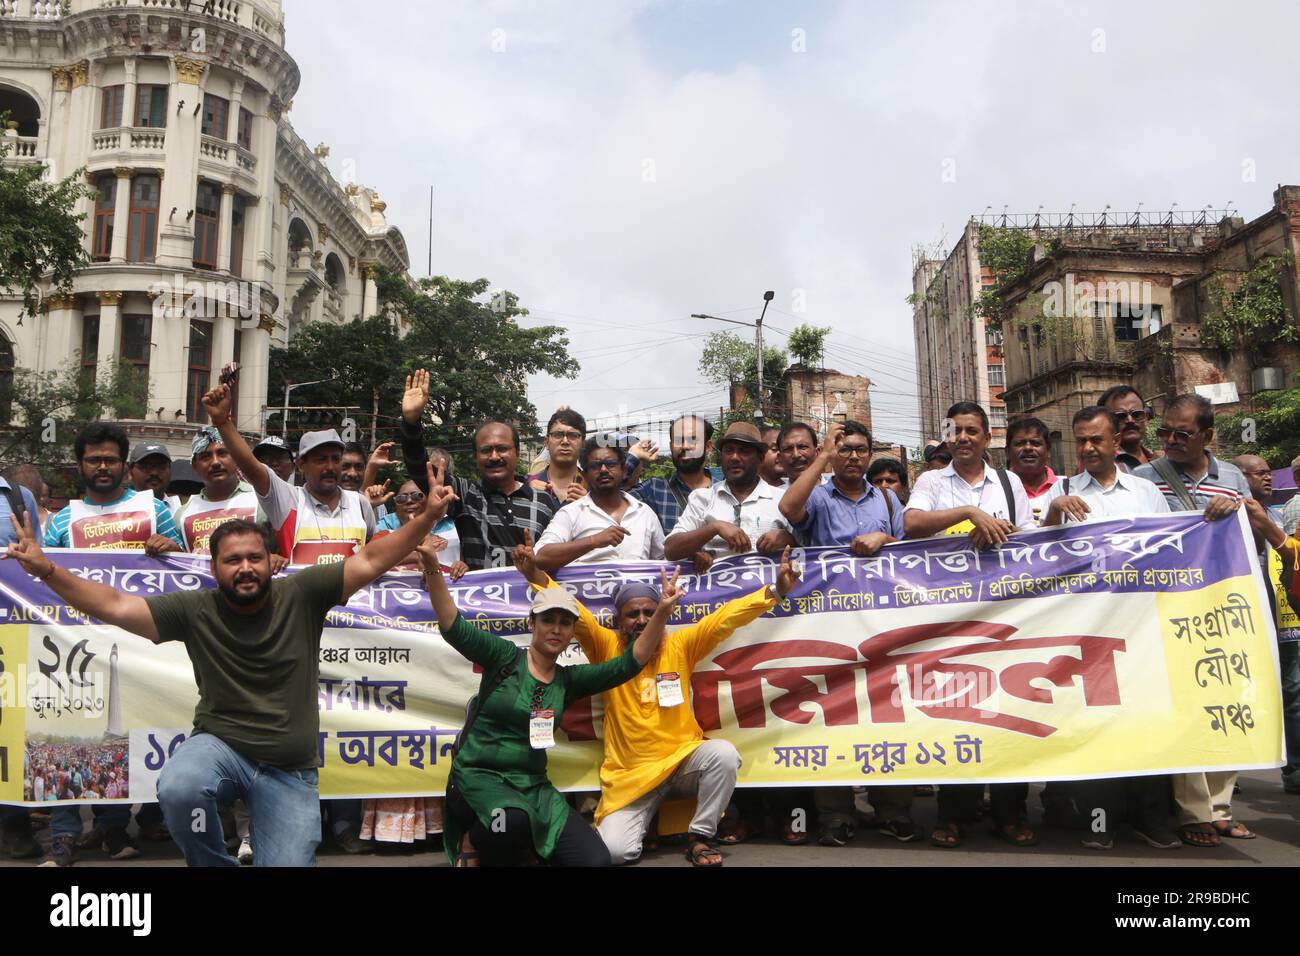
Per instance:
(1262,805)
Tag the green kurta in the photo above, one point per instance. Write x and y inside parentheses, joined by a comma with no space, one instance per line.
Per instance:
(496,767)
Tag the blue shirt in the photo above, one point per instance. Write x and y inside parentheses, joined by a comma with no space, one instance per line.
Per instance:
(390,522)
(659,495)
(7,534)
(833,518)
(56,535)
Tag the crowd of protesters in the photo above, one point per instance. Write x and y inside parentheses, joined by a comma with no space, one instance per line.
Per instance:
(748,489)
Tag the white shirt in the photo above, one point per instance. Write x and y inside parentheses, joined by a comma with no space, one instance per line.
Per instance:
(944,489)
(756,515)
(583,518)
(1129,495)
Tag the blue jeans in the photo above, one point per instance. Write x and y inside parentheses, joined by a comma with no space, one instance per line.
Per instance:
(205,774)
(1288,655)
(66,821)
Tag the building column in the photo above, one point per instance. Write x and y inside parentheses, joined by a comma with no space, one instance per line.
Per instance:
(262,239)
(110,331)
(121,213)
(176,231)
(60,334)
(225,224)
(254,373)
(366,286)
(128,93)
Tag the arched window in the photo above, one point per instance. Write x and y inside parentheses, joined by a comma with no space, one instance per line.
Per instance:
(22,109)
(335,277)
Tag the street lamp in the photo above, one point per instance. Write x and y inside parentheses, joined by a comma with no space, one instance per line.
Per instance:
(284,421)
(758,344)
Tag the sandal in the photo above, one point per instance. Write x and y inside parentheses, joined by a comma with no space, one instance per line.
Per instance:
(741,832)
(792,837)
(1232,830)
(1199,834)
(946,835)
(467,857)
(698,849)
(1017,834)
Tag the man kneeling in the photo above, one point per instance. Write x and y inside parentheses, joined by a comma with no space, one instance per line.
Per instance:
(654,748)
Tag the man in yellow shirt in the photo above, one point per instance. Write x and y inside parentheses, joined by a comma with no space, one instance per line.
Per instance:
(654,748)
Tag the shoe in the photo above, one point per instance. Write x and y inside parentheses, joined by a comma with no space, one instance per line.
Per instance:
(902,829)
(119,846)
(1158,836)
(350,842)
(1099,841)
(16,838)
(838,834)
(63,852)
(245,854)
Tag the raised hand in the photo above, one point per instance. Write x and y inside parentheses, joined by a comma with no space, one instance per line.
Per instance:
(217,404)
(440,496)
(25,550)
(669,592)
(834,435)
(787,575)
(526,561)
(645,449)
(379,494)
(416,396)
(381,455)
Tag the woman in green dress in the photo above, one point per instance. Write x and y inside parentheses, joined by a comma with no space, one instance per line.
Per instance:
(500,803)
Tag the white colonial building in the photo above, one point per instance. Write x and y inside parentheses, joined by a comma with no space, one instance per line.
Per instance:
(216,230)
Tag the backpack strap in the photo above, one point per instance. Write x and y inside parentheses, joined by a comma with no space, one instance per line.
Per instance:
(1065,485)
(475,705)
(16,505)
(1165,469)
(1011,498)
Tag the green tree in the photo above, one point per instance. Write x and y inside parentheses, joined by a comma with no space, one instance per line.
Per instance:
(1271,429)
(808,345)
(1253,315)
(42,245)
(45,410)
(728,359)
(479,358)
(1005,253)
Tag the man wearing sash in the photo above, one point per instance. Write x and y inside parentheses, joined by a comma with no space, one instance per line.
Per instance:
(109,517)
(318,522)
(150,472)
(223,498)
(969,497)
(1192,479)
(1104,490)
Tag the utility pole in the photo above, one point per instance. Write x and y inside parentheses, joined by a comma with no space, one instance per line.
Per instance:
(758,344)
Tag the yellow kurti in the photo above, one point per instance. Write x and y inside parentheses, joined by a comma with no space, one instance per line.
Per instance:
(645,743)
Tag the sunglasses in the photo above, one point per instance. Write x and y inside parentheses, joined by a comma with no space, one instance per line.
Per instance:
(1166,433)
(1141,415)
(414,497)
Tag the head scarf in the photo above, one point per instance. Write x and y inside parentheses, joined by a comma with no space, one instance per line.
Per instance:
(633,590)
(206,436)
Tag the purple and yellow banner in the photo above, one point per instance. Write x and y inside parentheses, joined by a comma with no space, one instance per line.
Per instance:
(1121,647)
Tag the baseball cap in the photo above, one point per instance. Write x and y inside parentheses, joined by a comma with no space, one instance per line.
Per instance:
(936,448)
(313,440)
(147,449)
(272,443)
(554,599)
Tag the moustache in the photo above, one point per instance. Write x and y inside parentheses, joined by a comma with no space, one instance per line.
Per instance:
(247,576)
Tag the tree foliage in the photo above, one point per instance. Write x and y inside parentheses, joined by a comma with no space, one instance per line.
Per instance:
(41,237)
(808,345)
(728,359)
(45,410)
(1270,430)
(1005,253)
(1253,315)
(479,358)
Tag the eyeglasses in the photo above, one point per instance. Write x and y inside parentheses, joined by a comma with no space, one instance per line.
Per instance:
(1141,415)
(414,497)
(570,437)
(603,465)
(854,451)
(1166,433)
(102,461)
(501,450)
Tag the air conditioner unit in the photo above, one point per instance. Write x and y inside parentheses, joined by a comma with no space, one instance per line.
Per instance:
(1270,379)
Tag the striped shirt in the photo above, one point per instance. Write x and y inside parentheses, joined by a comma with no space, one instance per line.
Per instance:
(56,535)
(1221,480)
(490,524)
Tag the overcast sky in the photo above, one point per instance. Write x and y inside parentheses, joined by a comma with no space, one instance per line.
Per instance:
(621,165)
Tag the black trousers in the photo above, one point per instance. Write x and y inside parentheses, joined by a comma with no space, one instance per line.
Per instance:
(1141,801)
(511,844)
(959,803)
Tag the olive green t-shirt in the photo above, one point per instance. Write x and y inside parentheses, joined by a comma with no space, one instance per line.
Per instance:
(258,674)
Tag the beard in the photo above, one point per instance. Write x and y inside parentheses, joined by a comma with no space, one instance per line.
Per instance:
(230,593)
(689,466)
